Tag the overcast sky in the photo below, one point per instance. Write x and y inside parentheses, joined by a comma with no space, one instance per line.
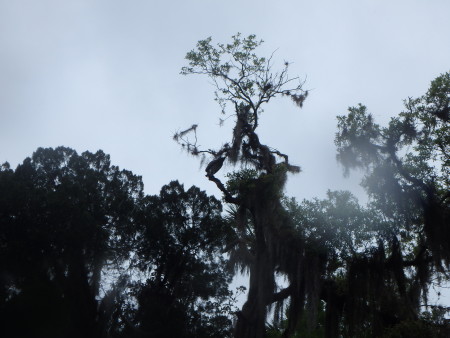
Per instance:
(104,75)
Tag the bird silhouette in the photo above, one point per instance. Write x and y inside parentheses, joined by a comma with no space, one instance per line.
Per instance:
(214,166)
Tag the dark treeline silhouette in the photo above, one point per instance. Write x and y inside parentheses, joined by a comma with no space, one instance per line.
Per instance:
(85,253)
(368,269)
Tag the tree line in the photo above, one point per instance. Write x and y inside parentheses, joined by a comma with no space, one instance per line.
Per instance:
(86,253)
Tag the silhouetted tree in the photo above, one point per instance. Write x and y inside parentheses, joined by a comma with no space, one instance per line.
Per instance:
(184,292)
(247,82)
(381,259)
(83,253)
(63,218)
(407,179)
(372,266)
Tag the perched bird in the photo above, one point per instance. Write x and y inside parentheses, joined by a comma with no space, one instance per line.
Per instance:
(267,87)
(214,166)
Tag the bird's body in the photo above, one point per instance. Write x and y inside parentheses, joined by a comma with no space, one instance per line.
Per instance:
(214,166)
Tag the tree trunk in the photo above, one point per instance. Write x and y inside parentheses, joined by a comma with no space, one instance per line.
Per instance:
(251,322)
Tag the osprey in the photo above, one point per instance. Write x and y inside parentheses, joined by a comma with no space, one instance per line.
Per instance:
(214,166)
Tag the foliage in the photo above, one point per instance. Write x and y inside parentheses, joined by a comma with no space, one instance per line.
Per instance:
(381,260)
(84,253)
(247,82)
(262,243)
(304,330)
(240,76)
(407,166)
(179,251)
(60,225)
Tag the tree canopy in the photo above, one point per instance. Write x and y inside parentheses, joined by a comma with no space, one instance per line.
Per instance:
(371,266)
(84,252)
(247,81)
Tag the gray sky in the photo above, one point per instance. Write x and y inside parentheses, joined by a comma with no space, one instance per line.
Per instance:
(92,75)
(105,75)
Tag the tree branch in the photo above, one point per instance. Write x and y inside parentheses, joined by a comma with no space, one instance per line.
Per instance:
(227,196)
(283,294)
